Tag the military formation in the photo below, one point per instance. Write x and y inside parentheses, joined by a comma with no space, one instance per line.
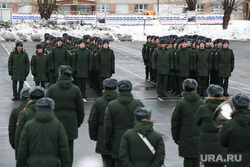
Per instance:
(169,60)
(42,129)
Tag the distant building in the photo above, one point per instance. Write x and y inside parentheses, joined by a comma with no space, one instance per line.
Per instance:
(135,7)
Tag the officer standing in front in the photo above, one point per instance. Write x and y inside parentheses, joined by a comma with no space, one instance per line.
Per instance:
(18,67)
(185,133)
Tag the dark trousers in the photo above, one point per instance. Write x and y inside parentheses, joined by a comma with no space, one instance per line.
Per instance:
(214,79)
(14,87)
(223,82)
(147,71)
(101,79)
(212,165)
(42,83)
(161,83)
(170,82)
(118,163)
(191,162)
(71,150)
(176,83)
(81,83)
(108,161)
(202,82)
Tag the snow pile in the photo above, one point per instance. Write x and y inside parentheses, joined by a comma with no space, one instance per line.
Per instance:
(34,30)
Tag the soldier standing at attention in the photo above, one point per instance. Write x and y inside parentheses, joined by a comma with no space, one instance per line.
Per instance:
(40,66)
(145,56)
(18,67)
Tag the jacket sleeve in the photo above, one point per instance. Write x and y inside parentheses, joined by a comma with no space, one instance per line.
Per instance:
(79,108)
(176,121)
(90,58)
(198,116)
(63,147)
(108,124)
(27,64)
(159,154)
(124,152)
(216,59)
(113,61)
(33,65)
(93,121)
(52,59)
(143,53)
(154,57)
(224,134)
(194,60)
(97,65)
(12,129)
(47,64)
(232,61)
(10,63)
(24,148)
(20,124)
(210,60)
(176,61)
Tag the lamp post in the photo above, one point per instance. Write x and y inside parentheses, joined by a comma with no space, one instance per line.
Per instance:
(144,18)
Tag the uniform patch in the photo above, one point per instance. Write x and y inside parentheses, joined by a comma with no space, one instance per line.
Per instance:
(173,109)
(175,53)
(106,110)
(17,122)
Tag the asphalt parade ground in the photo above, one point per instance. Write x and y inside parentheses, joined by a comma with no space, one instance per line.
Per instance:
(129,65)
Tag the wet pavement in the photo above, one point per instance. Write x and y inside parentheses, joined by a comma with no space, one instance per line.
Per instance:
(129,65)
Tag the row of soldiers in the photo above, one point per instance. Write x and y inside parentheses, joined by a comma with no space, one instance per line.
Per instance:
(169,60)
(90,58)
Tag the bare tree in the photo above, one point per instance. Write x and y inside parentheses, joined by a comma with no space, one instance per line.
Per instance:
(229,6)
(191,5)
(45,8)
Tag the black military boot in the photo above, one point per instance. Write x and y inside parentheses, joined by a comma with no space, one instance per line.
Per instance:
(225,93)
(180,94)
(84,95)
(146,76)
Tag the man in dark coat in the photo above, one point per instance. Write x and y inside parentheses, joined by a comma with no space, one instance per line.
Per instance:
(185,133)
(208,140)
(145,56)
(235,133)
(43,140)
(18,67)
(24,96)
(69,106)
(119,118)
(40,66)
(96,120)
(133,149)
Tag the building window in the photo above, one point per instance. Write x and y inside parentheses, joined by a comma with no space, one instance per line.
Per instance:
(103,8)
(24,7)
(139,8)
(216,8)
(238,7)
(200,8)
(83,9)
(5,5)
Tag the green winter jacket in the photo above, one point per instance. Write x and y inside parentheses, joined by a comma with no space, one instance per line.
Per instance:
(209,139)
(25,115)
(202,62)
(69,106)
(59,56)
(152,48)
(40,66)
(18,65)
(235,135)
(224,62)
(183,62)
(161,61)
(96,121)
(135,153)
(183,127)
(105,62)
(82,63)
(43,142)
(13,120)
(145,53)
(118,119)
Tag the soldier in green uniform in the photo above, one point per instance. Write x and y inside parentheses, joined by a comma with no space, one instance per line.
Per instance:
(43,140)
(96,120)
(235,133)
(69,108)
(185,133)
(40,66)
(202,66)
(18,67)
(59,56)
(24,96)
(161,64)
(82,66)
(105,63)
(119,118)
(224,63)
(134,140)
(209,139)
(145,57)
(183,64)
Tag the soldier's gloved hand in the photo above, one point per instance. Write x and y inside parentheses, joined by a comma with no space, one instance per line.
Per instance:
(74,72)
(47,75)
(232,70)
(34,74)
(216,71)
(26,74)
(176,141)
(98,71)
(154,70)
(194,72)
(10,73)
(108,146)
(112,71)
(89,72)
(52,70)
(177,71)
(171,70)
(210,71)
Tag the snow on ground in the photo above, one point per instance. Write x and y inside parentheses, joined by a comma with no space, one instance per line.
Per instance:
(33,30)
